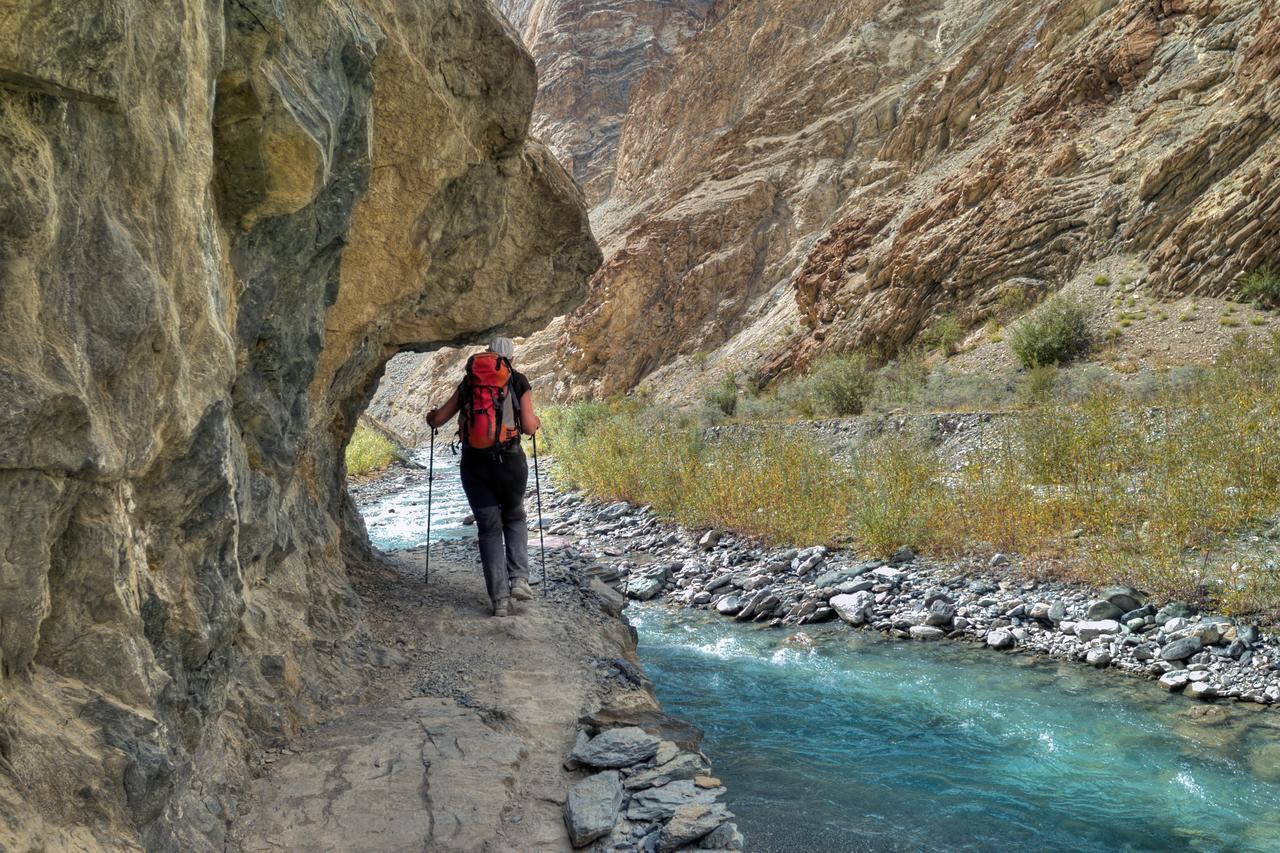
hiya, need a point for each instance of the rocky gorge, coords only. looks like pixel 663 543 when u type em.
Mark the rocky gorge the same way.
pixel 791 179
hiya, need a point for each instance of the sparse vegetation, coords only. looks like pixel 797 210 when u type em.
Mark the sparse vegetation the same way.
pixel 723 396
pixel 369 451
pixel 1055 333
pixel 1262 286
pixel 1102 281
pixel 1157 492
pixel 945 335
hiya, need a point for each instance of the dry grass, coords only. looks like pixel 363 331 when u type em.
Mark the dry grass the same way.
pixel 1162 494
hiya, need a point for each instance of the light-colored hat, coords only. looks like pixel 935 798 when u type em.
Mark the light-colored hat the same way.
pixel 503 347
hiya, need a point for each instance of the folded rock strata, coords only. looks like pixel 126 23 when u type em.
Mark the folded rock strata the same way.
pixel 216 224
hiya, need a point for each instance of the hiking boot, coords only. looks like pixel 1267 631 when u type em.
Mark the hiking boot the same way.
pixel 521 591
pixel 502 607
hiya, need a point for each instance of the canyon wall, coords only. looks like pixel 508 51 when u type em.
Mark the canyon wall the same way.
pixel 217 222
pixel 800 177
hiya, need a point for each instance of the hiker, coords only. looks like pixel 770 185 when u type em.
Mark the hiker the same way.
pixel 496 406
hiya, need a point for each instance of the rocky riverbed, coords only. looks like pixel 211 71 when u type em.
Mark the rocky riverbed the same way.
pixel 1202 655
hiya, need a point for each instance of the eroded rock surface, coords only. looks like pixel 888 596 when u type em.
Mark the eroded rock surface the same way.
pixel 216 224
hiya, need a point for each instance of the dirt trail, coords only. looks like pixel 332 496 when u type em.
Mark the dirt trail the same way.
pixel 461 742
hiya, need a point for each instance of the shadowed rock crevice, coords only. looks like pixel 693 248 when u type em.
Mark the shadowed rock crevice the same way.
pixel 216 225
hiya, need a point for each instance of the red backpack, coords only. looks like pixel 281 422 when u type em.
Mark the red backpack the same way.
pixel 489 406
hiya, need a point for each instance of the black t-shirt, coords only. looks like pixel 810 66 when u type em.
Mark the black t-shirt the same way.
pixel 519 384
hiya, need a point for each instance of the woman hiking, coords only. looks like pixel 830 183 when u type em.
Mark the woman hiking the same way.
pixel 495 404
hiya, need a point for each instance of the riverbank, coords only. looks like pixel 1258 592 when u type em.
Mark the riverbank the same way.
pixel 473 732
pixel 1202 655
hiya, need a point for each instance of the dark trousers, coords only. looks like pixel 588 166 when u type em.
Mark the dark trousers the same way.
pixel 495 484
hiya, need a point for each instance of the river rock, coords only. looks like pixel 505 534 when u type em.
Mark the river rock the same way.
pixel 940 614
pixel 1174 681
pixel 718 581
pixel 729 605
pixel 1174 610
pixel 1087 631
pixel 1125 597
pixel 1181 649
pixel 612 600
pixel 889 575
pixel 1098 657
pixel 1204 690
pixel 591 808
pixel 925 632
pixel 619 747
pixel 1057 612
pixel 1102 609
pixel 691 822
pixel 856 609
pixel 661 802
pixel 709 540
pixel 835 577
pixel 643 588
pixel 724 837
pixel 1000 639
pixel 687 765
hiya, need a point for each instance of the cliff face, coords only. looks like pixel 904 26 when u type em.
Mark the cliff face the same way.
pixel 590 54
pixel 874 165
pixel 216 224
pixel 1058 137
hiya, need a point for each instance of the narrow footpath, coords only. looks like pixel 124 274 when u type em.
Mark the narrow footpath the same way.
pixel 461 742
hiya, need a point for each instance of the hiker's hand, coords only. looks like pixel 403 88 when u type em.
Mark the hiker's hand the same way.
pixel 431 418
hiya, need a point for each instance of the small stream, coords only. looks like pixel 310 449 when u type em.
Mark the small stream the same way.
pixel 861 743
pixel 858 743
pixel 399 520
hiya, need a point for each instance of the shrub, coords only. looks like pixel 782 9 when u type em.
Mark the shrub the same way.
pixel 945 334
pixel 723 396
pixel 840 385
pixel 1039 381
pixel 1102 281
pixel 1262 286
pixel 1054 333
pixel 369 451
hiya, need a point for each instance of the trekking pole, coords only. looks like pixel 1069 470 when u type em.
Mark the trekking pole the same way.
pixel 537 489
pixel 431 477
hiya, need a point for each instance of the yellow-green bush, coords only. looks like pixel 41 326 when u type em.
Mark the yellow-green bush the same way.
pixel 370 451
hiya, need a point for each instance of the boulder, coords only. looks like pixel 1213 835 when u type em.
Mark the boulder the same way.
pixel 690 823
pixel 1103 609
pixel 661 802
pixel 621 747
pixel 686 765
pixel 724 837
pixel 1203 690
pixel 729 605
pixel 1174 681
pixel 1089 630
pixel 1000 639
pixel 1174 610
pixel 856 609
pixel 610 599
pixel 643 588
pixel 591 808
pixel 940 614
pixel 1181 649
pixel 1125 597
pixel 925 632
pixel 1098 657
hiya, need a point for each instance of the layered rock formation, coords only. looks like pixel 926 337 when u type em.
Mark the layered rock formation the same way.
pixel 216 224
pixel 590 54
pixel 800 177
